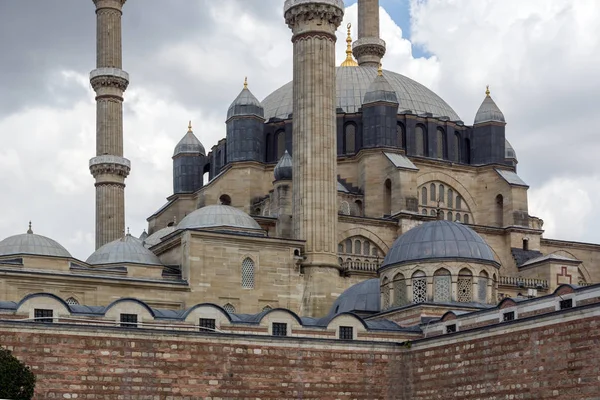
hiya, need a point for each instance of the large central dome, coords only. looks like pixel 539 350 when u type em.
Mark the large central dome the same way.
pixel 352 83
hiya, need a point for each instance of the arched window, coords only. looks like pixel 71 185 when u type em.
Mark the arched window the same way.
pixel 72 301
pixel 267 308
pixel 465 286
pixel 419 287
pixel 350 139
pixel 424 211
pixel 366 248
pixel 340 248
pixel 458 203
pixel 344 208
pixel 399 290
pixel 424 196
pixel 357 247
pixel 269 149
pixel 401 135
pixel 442 285
pixel 494 290
pixel 482 284
pixel 248 273
pixel 442 147
pixel 466 219
pixel 385 294
pixel 387 197
pixel 432 213
pixel 374 252
pixel 499 211
pixel 348 246
pixel 450 198
pixel 225 200
pixel 457 218
pixel 457 147
pixel 526 244
pixel 442 214
pixel 442 192
pixel 432 192
pixel 229 308
pixel 358 206
pixel 467 151
pixel 421 141
pixel 280 143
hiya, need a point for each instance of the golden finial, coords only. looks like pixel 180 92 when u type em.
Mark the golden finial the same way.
pixel 29 230
pixel 246 83
pixel 349 62
pixel 190 126
pixel 380 70
pixel 487 90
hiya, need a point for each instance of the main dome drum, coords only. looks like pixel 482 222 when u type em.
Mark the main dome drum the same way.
pixel 352 83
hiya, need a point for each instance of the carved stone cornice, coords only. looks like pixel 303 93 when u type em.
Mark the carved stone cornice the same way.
pixel 110 165
pixel 109 77
pixel 329 11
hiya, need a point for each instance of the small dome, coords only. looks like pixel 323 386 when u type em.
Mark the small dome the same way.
pixel 218 216
pixel 489 111
pixel 363 297
pixel 189 144
pixel 283 169
pixel 439 240
pixel 32 244
pixel 155 238
pixel 509 151
pixel 380 91
pixel 144 235
pixel 246 104
pixel 127 250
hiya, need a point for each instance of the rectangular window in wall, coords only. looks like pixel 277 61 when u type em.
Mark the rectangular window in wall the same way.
pixel 567 303
pixel 346 332
pixel 207 324
pixel 451 328
pixel 129 320
pixel 45 316
pixel 279 329
pixel 508 316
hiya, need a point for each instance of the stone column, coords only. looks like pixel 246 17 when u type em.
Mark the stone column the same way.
pixel 109 168
pixel 313 25
pixel 369 49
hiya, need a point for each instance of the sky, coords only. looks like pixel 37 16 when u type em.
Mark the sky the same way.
pixel 188 62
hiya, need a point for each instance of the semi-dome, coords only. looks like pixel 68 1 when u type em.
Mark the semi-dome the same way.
pixel 214 216
pixel 352 84
pixel 189 144
pixel 31 244
pixel 127 250
pixel 155 238
pixel 245 104
pixel 380 91
pixel 363 297
pixel 283 169
pixel 439 240
pixel 509 151
pixel 489 111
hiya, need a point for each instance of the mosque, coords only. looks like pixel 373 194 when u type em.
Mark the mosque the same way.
pixel 350 189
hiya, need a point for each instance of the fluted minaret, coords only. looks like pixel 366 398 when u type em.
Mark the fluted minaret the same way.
pixel 369 49
pixel 313 23
pixel 109 168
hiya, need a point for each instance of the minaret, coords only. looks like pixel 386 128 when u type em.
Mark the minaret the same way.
pixel 369 49
pixel 313 24
pixel 109 168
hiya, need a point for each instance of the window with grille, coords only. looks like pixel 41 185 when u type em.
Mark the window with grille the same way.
pixel 508 316
pixel 248 273
pixel 451 328
pixel 279 329
pixel 346 332
pixel 567 303
pixel 442 287
pixel 419 290
pixel 72 301
pixel 207 324
pixel 129 320
pixel 229 308
pixel 45 316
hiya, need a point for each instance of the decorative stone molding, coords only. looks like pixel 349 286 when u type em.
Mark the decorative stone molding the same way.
pixel 109 164
pixel 368 47
pixel 330 11
pixel 112 77
pixel 109 4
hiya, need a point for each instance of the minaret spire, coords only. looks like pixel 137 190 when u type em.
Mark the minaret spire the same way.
pixel 109 168
pixel 369 49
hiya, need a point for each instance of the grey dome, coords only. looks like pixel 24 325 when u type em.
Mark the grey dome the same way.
pixel 218 216
pixel 489 112
pixel 438 240
pixel 127 250
pixel 283 169
pixel 352 84
pixel 155 238
pixel 32 244
pixel 509 151
pixel 189 144
pixel 245 104
pixel 361 297
pixel 380 91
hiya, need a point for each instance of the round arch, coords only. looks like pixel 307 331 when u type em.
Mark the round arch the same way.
pixel 367 234
pixel 450 181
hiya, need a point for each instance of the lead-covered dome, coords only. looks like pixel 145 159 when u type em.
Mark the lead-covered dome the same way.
pixel 156 237
pixel 283 169
pixel 352 84
pixel 363 297
pixel 218 216
pixel 32 244
pixel 489 111
pixel 127 250
pixel 189 144
pixel 245 105
pixel 439 240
